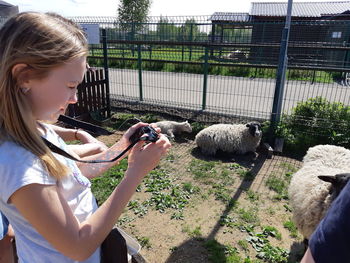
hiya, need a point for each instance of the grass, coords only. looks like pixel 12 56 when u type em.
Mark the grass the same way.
pixel 167 58
pixel 292 228
pixel 279 185
pixel 176 189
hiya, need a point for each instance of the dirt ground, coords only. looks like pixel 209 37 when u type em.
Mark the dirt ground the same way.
pixel 171 240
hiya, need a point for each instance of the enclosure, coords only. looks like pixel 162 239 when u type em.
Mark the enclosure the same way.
pixel 227 207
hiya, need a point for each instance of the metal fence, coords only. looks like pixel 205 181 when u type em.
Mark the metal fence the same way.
pixel 224 67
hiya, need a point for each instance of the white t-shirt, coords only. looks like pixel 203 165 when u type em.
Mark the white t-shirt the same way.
pixel 19 167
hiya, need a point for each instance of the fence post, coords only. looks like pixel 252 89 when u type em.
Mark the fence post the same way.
pixel 281 74
pixel 191 39
pixel 105 65
pixel 139 66
pixel 205 79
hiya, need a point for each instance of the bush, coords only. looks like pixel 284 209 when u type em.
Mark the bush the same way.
pixel 316 121
pixel 153 66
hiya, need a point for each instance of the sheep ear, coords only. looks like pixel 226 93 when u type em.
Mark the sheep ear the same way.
pixel 327 178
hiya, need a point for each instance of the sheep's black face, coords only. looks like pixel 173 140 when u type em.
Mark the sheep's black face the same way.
pixel 254 129
pixel 338 181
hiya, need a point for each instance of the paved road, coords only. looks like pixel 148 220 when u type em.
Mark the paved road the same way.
pixel 234 95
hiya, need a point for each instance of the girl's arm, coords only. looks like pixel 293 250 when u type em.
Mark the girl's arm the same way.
pixel 308 257
pixel 90 144
pixel 61 228
pixel 96 169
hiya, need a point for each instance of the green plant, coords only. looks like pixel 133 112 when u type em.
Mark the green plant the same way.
pixel 252 196
pixel 315 121
pixel 145 242
pixel 219 253
pixel 243 244
pixel 248 215
pixel 104 185
pixel 278 185
pixel 291 227
pixel 197 127
pixel 202 169
pixel 266 251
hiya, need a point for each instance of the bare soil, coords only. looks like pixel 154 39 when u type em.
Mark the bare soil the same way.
pixel 170 240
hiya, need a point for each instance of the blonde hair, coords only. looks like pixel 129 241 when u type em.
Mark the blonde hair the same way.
pixel 42 42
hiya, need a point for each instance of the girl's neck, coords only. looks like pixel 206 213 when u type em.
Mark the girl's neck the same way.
pixel 41 128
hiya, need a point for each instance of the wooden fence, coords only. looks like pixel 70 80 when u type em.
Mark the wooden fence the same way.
pixel 93 96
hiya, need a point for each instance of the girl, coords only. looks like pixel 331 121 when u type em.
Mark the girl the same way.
pixel 46 197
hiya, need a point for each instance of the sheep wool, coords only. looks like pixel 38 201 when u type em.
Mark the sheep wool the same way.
pixel 171 128
pixel 309 196
pixel 231 138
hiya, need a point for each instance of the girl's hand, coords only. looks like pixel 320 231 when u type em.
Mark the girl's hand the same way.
pixel 144 157
pixel 124 142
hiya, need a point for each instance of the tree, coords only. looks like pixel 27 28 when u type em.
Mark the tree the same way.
pixel 132 14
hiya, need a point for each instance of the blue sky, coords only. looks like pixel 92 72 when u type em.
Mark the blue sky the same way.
pixel 158 7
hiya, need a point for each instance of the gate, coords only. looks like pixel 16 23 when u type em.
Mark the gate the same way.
pixel 93 96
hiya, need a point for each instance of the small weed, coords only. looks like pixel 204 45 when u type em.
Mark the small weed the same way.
pixel 104 185
pixel 178 215
pixel 138 209
pixel 145 242
pixel 195 233
pixel 221 192
pixel 273 254
pixel 278 185
pixel 202 169
pixel 292 228
pixel 249 215
pixel 272 231
pixel 289 167
pixel 170 158
pixel 271 211
pixel 188 187
pixel 219 253
pixel 227 221
pixel 246 175
pixel 252 196
pixel 243 244
pixel 266 251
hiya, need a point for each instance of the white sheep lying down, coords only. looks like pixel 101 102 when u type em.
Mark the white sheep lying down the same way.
pixel 311 197
pixel 231 138
pixel 171 128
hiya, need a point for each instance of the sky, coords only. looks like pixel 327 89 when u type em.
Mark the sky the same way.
pixel 158 7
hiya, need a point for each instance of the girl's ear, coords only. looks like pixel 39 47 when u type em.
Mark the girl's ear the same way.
pixel 20 73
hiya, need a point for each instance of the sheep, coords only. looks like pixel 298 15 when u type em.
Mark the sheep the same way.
pixel 311 197
pixel 231 138
pixel 236 55
pixel 171 128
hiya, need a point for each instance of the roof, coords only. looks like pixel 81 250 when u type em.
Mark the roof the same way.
pixel 299 9
pixel 225 16
pixel 3 3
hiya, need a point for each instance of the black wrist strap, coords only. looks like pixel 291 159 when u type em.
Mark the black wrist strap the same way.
pixel 59 151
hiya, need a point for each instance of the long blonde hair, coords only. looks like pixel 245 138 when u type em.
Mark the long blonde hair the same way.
pixel 42 42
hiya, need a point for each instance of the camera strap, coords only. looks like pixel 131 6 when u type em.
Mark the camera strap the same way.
pixel 59 151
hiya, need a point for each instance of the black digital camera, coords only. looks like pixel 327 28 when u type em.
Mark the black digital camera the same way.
pixel 151 134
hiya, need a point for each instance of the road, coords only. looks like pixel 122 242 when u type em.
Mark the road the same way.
pixel 233 95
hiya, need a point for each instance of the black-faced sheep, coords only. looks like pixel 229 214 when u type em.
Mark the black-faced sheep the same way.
pixel 171 128
pixel 230 138
pixel 311 197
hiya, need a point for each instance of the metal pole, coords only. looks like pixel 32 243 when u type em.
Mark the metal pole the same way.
pixel 205 76
pixel 105 65
pixel 139 65
pixel 281 73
